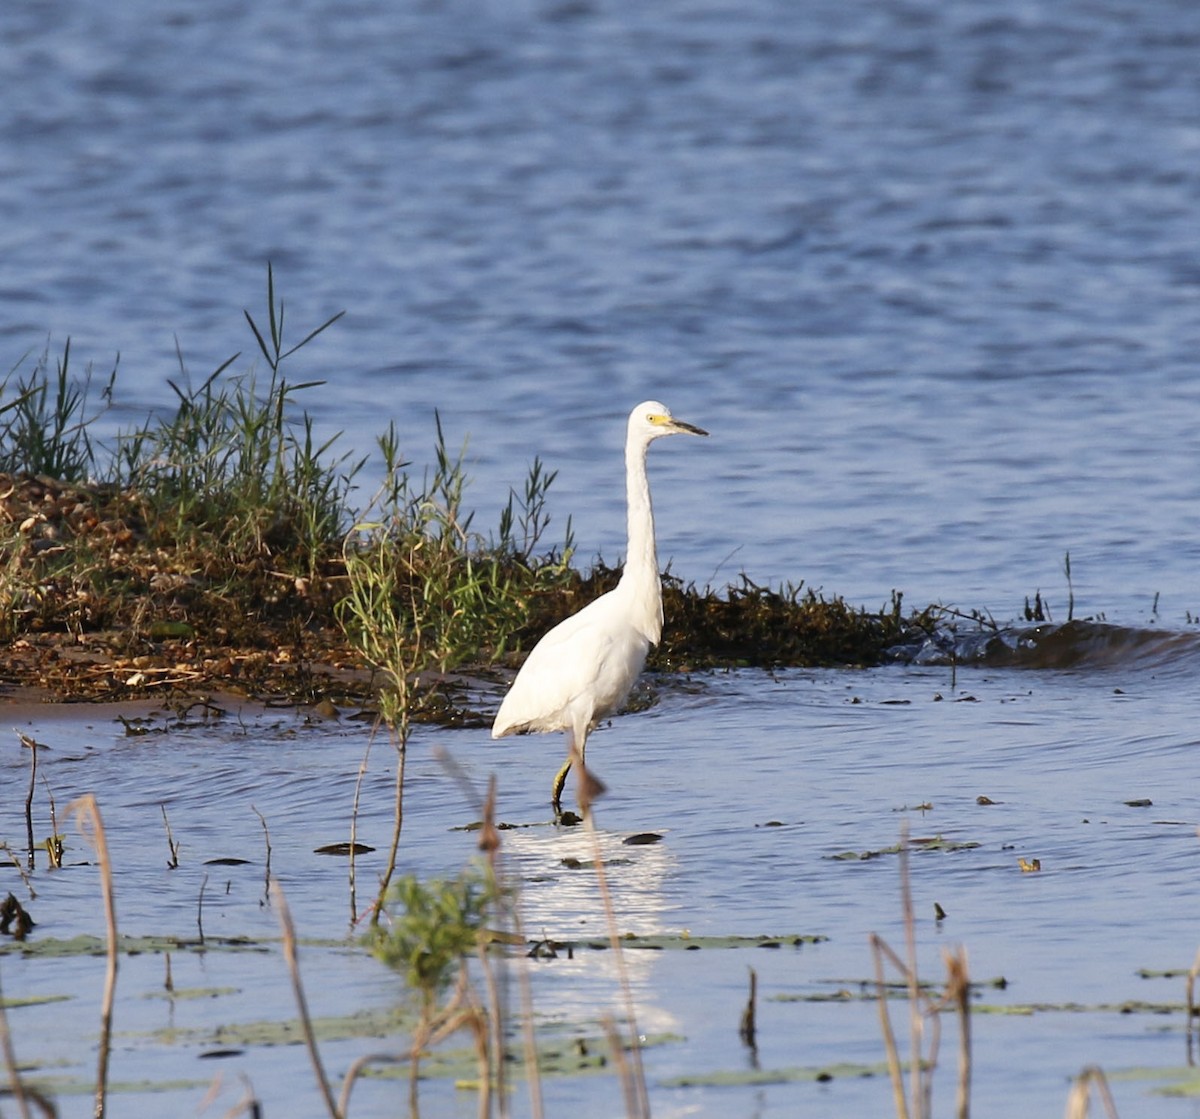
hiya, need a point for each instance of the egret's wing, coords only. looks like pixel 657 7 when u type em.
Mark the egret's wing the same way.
pixel 592 654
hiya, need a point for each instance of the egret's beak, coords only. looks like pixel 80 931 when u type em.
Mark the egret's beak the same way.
pixel 677 427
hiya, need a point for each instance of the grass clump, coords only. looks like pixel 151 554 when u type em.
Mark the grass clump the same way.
pixel 234 463
pixel 424 590
pixel 44 426
pixel 226 516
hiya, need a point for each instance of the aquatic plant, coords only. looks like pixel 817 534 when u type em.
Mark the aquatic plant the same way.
pixel 439 925
pixel 436 925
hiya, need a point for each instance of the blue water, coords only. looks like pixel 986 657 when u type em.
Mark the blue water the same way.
pixel 930 275
pixel 928 272
pixel 758 785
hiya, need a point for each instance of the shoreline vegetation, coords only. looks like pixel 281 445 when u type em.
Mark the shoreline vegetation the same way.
pixel 217 549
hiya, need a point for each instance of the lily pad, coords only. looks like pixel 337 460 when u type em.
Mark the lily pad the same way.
pixel 33 1000
pixel 685 942
pixel 932 843
pixel 183 994
pixel 741 1078
pixel 50 947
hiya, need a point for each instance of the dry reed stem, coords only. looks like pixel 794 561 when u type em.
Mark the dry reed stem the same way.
pixel 1081 1092
pixel 362 772
pixel 748 1027
pixel 1190 1026
pixel 393 849
pixel 958 993
pixel 529 1039
pixel 249 1103
pixel 355 1070
pixel 895 1069
pixel 289 954
pixel 432 1029
pixel 489 844
pixel 916 1021
pixel 10 1063
pixel 87 818
pixel 924 1014
pixel 172 846
pixel 54 845
pixel 625 1077
pixel 589 786
pixel 32 746
pixel 16 862
pixel 475 1018
pixel 267 840
pixel 214 1090
pixel 200 908
pixel 462 1011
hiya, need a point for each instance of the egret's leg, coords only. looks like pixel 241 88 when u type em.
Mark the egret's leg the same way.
pixel 559 781
pixel 561 777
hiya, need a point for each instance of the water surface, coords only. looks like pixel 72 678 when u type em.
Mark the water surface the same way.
pixel 928 273
pixel 761 785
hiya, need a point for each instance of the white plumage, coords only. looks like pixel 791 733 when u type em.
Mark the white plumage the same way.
pixel 582 670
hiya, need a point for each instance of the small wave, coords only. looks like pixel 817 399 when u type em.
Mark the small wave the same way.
pixel 1074 644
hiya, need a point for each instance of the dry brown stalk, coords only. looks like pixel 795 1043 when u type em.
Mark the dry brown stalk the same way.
pixel 87 818
pixel 293 964
pixel 459 1012
pixel 249 1103
pixel 924 1015
pixel 916 1019
pixel 958 994
pixel 895 1068
pixel 1081 1094
pixel 355 1070
pixel 625 1077
pixel 362 772
pixel 16 862
pixel 10 1063
pixel 267 840
pixel 590 787
pixel 1190 1025
pixel 172 845
pixel 32 746
pixel 397 826
pixel 532 1073
pixel 493 1044
pixel 748 1028
pixel 54 845
pixel 200 908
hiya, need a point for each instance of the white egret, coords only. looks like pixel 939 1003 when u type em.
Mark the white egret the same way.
pixel 582 670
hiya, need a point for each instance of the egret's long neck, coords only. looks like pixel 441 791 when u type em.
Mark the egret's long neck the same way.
pixel 640 579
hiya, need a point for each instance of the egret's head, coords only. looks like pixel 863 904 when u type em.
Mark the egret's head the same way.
pixel 651 420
